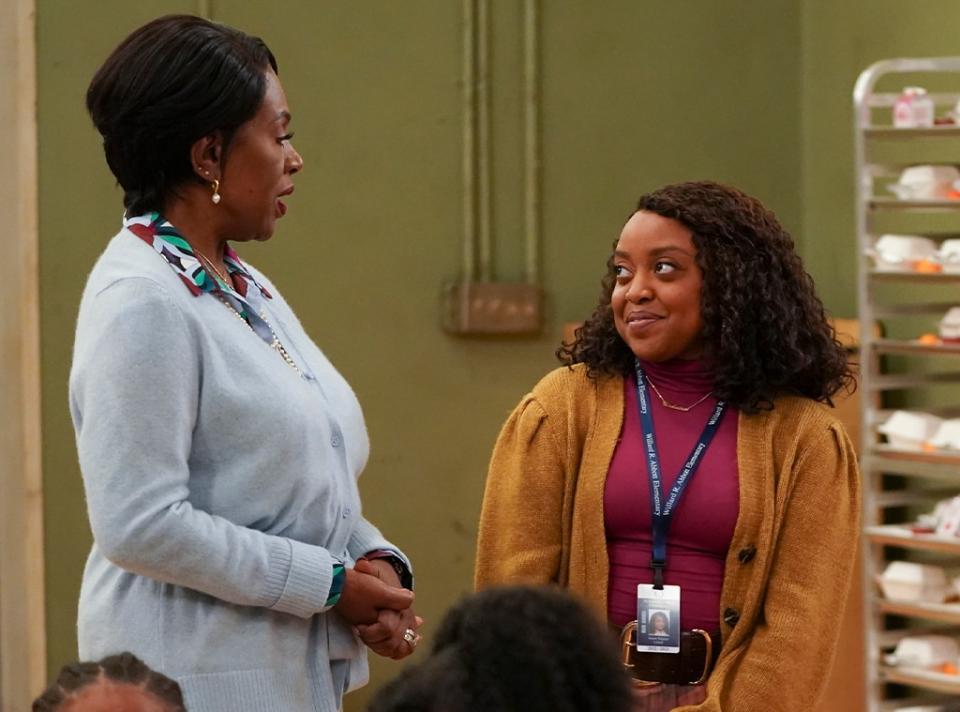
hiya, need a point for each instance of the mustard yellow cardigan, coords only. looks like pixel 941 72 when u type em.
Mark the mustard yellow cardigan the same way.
pixel 787 573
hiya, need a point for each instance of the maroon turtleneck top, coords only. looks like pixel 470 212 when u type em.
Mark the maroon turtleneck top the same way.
pixel 705 518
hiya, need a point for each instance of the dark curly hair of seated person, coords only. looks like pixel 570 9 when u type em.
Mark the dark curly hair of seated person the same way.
pixel 765 331
pixel 514 648
pixel 121 669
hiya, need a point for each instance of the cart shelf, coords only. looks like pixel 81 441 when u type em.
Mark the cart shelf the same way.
pixel 901 536
pixel 888 275
pixel 941 612
pixel 893 132
pixel 885 203
pixel 923 679
pixel 913 347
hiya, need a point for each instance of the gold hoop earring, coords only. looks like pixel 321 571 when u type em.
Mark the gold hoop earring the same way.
pixel 216 192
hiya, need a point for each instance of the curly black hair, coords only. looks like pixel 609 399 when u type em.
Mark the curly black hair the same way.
pixel 123 668
pixel 765 330
pixel 515 649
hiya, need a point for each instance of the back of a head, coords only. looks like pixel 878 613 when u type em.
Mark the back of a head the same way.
pixel 118 682
pixel 439 684
pixel 515 648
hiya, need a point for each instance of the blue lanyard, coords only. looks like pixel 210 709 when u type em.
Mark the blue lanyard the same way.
pixel 662 512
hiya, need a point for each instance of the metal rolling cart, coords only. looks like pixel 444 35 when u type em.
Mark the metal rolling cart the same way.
pixel 899 370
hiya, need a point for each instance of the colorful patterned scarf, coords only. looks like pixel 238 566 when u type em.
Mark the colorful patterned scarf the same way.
pixel 163 237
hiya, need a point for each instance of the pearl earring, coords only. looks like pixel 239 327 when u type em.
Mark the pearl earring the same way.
pixel 216 192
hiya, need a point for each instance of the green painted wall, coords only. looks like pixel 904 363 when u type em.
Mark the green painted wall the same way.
pixel 635 94
pixel 79 209
pixel 841 39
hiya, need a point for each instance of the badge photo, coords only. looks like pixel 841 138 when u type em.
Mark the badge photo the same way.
pixel 658 619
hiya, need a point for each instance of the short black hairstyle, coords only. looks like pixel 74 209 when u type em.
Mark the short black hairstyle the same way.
pixel 168 84
pixel 515 649
pixel 764 327
pixel 124 668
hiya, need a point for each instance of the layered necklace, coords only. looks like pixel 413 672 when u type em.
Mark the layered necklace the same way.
pixel 275 344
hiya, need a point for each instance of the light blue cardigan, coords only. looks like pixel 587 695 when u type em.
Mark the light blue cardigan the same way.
pixel 219 486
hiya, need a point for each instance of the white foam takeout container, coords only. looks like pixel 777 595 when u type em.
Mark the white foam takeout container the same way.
pixel 949 254
pixel 899 253
pixel 950 325
pixel 947 515
pixel 944 521
pixel 924 651
pixel 927 182
pixel 947 436
pixel 907 581
pixel 909 430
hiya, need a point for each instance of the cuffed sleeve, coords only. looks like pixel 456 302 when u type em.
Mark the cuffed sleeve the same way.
pixel 366 538
pixel 308 581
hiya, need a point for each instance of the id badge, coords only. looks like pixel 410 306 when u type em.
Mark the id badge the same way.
pixel 658 619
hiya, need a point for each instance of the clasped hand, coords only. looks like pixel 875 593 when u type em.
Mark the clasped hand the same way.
pixel 379 608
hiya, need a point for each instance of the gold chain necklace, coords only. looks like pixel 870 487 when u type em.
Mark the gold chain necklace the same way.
pixel 674 406
pixel 276 345
pixel 208 263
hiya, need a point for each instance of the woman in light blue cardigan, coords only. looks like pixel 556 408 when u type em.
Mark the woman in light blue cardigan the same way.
pixel 219 447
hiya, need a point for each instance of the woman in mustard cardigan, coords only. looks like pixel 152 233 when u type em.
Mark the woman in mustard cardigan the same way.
pixel 686 461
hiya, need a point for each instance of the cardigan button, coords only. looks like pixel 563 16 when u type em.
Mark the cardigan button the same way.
pixel 746 554
pixel 731 616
